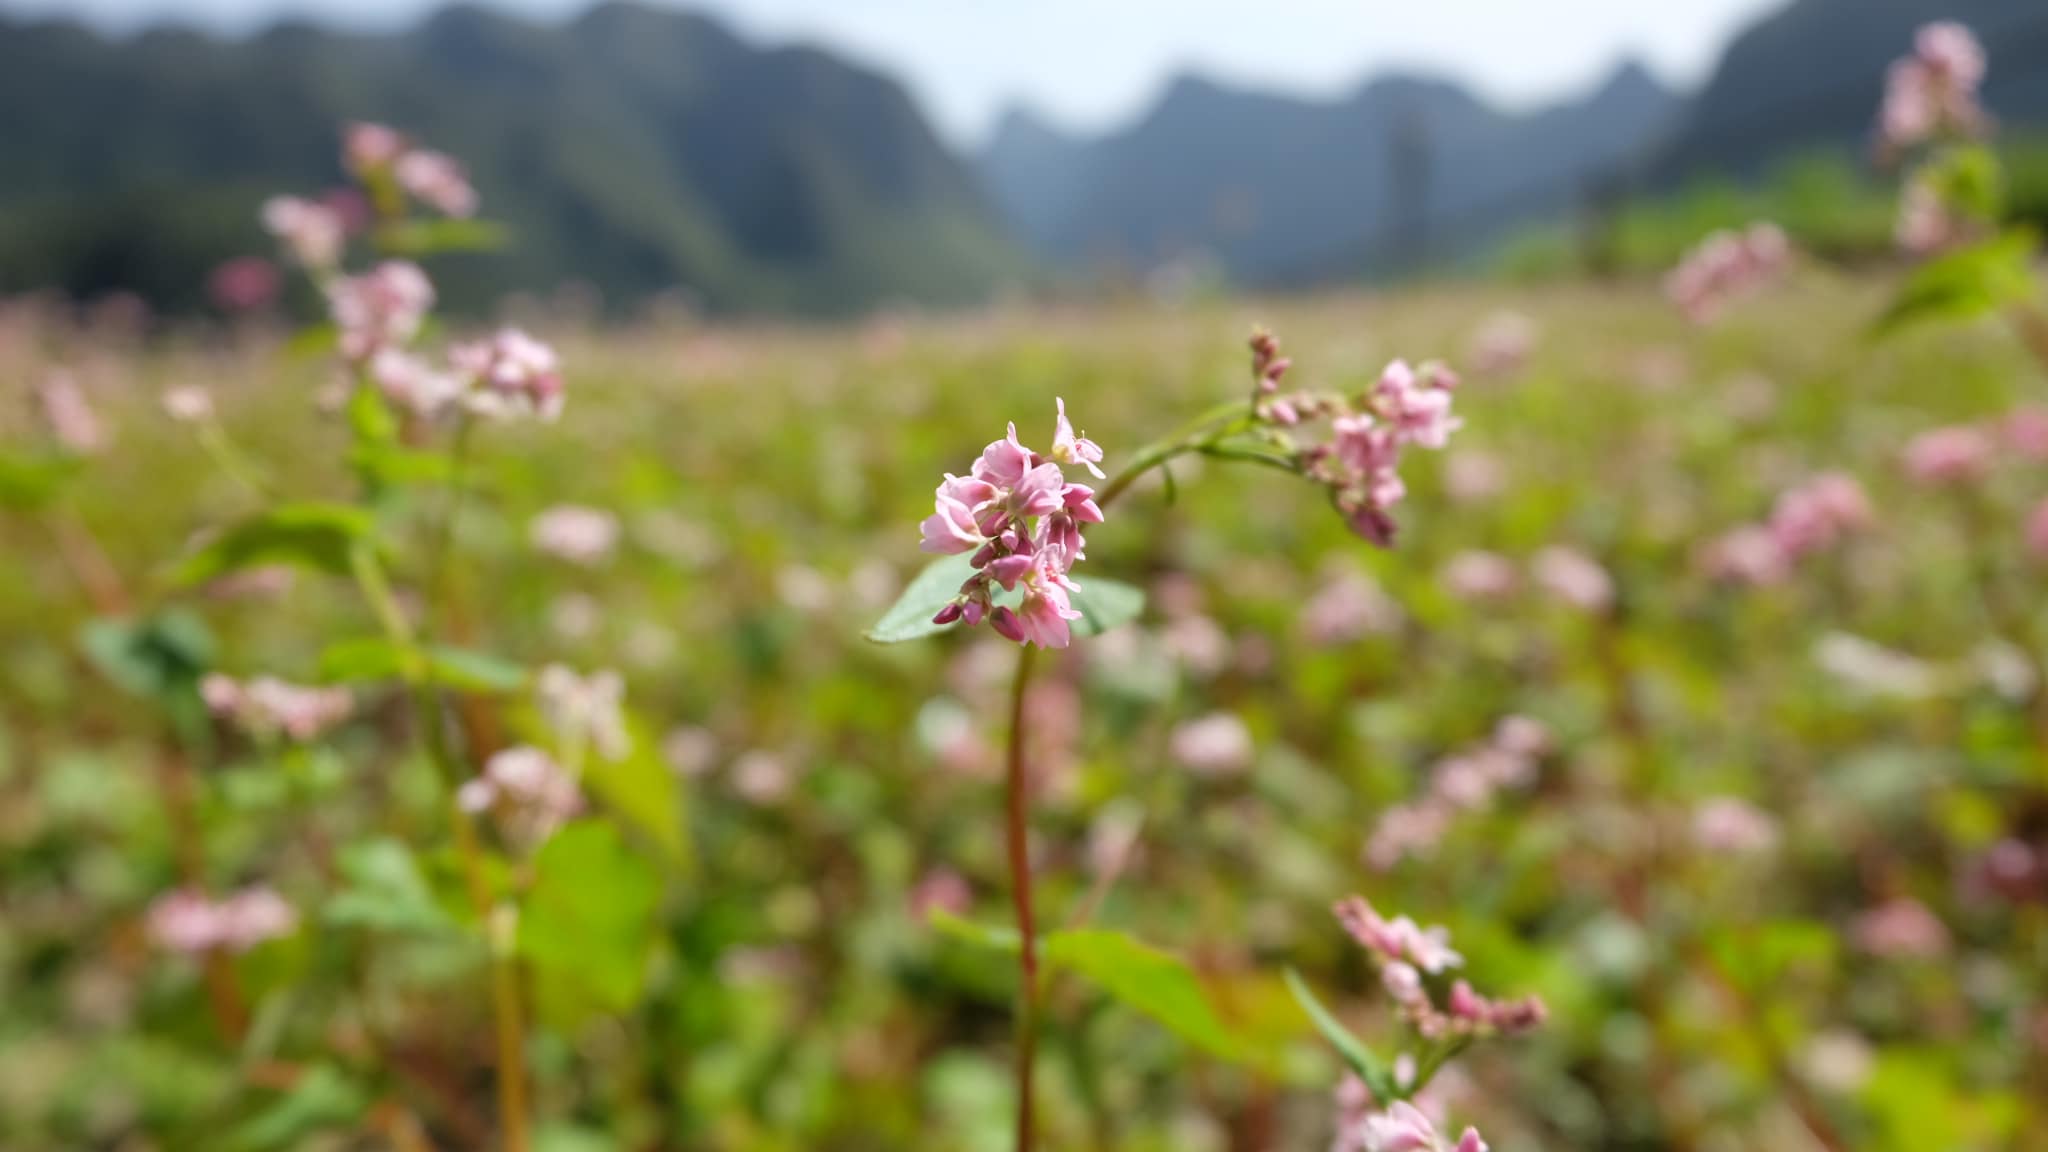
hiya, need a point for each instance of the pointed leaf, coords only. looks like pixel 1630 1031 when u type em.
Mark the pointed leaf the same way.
pixel 1158 984
pixel 1351 1048
pixel 312 536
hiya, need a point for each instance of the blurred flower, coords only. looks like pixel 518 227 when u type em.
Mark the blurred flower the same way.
pixel 312 234
pixel 575 617
pixel 413 384
pixel 367 147
pixel 1406 953
pixel 1959 454
pixel 575 533
pixel 509 375
pixel 1402 1127
pixel 941 890
pixel 585 708
pixel 1838 1061
pixel 1870 668
pixel 1217 744
pixel 1933 91
pixel 689 751
pixel 1727 266
pixel 1901 928
pixel 266 582
pixel 991 513
pixel 1481 576
pixel 1925 226
pixel 2037 532
pixel 1502 344
pixel 1574 577
pixel 188 404
pixel 265 707
pixel 1348 607
pixel 382 308
pixel 1464 782
pixel 186 921
pixel 1747 555
pixel 760 777
pixel 70 416
pixel 2012 870
pixel 1198 643
pixel 438 181
pixel 805 589
pixel 530 793
pixel 246 284
pixel 1816 515
pixel 1471 476
pixel 2026 430
pixel 1730 826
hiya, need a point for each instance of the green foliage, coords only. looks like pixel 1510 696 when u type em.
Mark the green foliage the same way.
pixel 384 891
pixel 1361 1060
pixel 368 659
pixel 316 537
pixel 587 925
pixel 158 657
pixel 1965 284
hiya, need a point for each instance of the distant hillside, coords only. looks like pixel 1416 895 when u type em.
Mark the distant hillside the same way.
pixel 1811 76
pixel 637 148
pixel 1280 188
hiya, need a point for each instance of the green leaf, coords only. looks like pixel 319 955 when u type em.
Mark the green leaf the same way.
pixel 1158 984
pixel 1351 1048
pixel 588 922
pixel 312 536
pixel 29 482
pixel 1965 284
pixel 910 618
pixel 151 657
pixel 968 932
pixel 313 342
pixel 322 1099
pixel 389 464
pixel 384 891
pixel 426 237
pixel 1103 603
pixel 372 658
pixel 371 421
pixel 644 793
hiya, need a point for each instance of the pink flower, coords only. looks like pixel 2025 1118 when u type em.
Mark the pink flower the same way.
pixel 1481 576
pixel 1214 745
pixel 1925 225
pixel 186 921
pixel 2037 533
pixel 1503 343
pixel 577 534
pixel 2026 430
pixel 1748 555
pixel 382 308
pixel 1348 607
pixel 531 794
pixel 312 234
pixel 247 284
pixel 1933 92
pixel 1575 578
pixel 1021 520
pixel 1727 826
pixel 437 180
pixel 1068 448
pixel 1901 928
pixel 266 707
pixel 1727 266
pixel 367 148
pixel 253 915
pixel 70 416
pixel 511 374
pixel 1470 477
pixel 1420 414
pixel 1960 454
pixel 1403 1127
pixel 941 890
pixel 413 384
pixel 584 709
pixel 1819 514
pixel 188 404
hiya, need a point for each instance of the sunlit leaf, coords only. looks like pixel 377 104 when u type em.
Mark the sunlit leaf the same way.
pixel 384 890
pixel 371 658
pixel 427 237
pixel 29 482
pixel 1965 284
pixel 642 791
pixel 1138 976
pixel 588 923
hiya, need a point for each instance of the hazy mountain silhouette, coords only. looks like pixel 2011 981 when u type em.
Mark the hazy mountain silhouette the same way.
pixel 639 148
pixel 1282 187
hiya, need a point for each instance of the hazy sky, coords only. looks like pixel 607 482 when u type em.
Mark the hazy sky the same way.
pixel 1093 63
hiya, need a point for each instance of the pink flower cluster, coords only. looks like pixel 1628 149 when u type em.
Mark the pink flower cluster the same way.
pixel 312 233
pixel 1814 517
pixel 70 416
pixel 1360 463
pixel 1933 92
pixel 433 178
pixel 1960 454
pixel 187 922
pixel 266 707
pixel 510 374
pixel 1466 782
pixel 380 309
pixel 243 285
pixel 1727 266
pixel 1409 957
pixel 1400 1127
pixel 1021 519
pixel 529 792
pixel 572 532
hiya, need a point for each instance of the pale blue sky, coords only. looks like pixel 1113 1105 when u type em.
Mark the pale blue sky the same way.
pixel 1092 63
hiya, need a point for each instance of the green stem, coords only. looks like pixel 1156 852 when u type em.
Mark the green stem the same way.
pixel 1017 827
pixel 1195 436
pixel 215 441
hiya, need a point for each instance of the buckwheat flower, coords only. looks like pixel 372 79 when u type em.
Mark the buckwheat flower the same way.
pixel 1418 407
pixel 760 777
pixel 510 374
pixel 1727 826
pixel 1403 1127
pixel 1348 607
pixel 2026 431
pixel 382 308
pixel 531 795
pixel 312 234
pixel 1727 266
pixel 1521 736
pixel 188 404
pixel 1901 928
pixel 437 180
pixel 252 916
pixel 184 921
pixel 266 707
pixel 689 751
pixel 1933 91
pixel 585 708
pixel 1870 669
pixel 1503 343
pixel 1214 745
pixel 1481 576
pixel 1406 830
pixel 368 148
pixel 1961 454
pixel 575 533
pixel 245 284
pixel 1473 476
pixel 70 416
pixel 1925 225
pixel 2037 533
pixel 413 384
pixel 1575 578
pixel 1748 555
pixel 1838 1061
pixel 1818 514
pixel 1069 448
pixel 941 890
